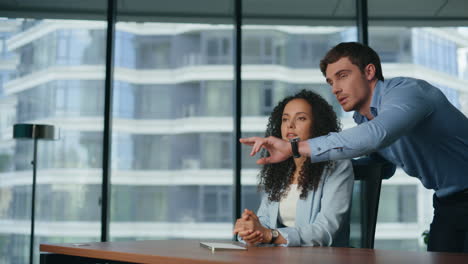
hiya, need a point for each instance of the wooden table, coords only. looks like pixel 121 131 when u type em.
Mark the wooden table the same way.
pixel 189 251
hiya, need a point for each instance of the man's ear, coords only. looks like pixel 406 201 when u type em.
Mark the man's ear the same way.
pixel 369 71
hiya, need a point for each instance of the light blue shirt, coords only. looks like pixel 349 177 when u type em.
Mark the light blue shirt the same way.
pixel 322 219
pixel 415 127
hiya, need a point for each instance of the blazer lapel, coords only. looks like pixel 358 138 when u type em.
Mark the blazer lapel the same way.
pixel 274 212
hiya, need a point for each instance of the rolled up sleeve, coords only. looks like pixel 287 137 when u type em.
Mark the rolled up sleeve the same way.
pixel 400 110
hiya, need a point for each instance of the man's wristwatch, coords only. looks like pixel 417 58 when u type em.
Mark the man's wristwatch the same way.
pixel 274 235
pixel 295 147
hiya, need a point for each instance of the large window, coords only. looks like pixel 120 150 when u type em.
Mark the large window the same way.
pixel 172 143
pixel 280 56
pixel 437 55
pixel 279 61
pixel 52 74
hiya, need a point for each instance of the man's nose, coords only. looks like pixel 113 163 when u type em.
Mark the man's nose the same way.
pixel 336 89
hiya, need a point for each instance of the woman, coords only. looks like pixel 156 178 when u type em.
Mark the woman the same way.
pixel 304 203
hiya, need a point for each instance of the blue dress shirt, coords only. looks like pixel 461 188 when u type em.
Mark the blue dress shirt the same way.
pixel 415 127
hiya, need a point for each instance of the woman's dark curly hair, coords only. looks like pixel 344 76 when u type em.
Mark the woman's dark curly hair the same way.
pixel 275 178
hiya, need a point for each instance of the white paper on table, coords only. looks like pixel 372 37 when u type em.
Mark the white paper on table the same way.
pixel 221 246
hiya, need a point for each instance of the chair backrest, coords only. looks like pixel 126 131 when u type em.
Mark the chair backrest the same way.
pixel 368 181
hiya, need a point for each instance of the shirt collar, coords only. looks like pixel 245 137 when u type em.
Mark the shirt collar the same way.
pixel 376 96
pixel 375 102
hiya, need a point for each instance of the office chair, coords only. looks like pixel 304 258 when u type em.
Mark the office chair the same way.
pixel 368 175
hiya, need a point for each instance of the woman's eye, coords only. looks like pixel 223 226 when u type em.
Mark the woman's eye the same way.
pixel 285 119
pixel 302 118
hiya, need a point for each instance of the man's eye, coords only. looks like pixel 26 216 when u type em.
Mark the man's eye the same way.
pixel 343 75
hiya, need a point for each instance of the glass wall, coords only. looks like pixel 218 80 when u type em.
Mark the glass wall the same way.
pixel 172 131
pixel 280 57
pixel 279 61
pixel 439 56
pixel 52 73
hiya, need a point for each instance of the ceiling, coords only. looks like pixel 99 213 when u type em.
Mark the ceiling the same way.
pixel 308 12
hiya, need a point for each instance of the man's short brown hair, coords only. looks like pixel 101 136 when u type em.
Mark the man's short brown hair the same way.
pixel 359 55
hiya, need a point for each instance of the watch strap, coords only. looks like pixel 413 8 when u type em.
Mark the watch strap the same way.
pixel 295 147
pixel 274 235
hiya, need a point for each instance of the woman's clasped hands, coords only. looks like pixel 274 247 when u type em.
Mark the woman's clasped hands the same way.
pixel 249 228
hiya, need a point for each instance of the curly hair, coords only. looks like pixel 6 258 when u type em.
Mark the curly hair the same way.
pixel 275 179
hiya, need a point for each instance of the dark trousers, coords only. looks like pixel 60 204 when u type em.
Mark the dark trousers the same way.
pixel 449 228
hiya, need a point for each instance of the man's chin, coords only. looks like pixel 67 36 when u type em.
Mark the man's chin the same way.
pixel 347 109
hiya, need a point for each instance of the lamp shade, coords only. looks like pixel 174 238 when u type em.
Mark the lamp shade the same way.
pixel 35 131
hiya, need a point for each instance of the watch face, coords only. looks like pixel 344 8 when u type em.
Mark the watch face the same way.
pixel 296 139
pixel 275 233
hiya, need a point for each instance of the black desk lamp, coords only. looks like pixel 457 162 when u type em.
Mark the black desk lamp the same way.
pixel 35 132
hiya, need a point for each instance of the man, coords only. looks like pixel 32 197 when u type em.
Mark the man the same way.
pixel 408 122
